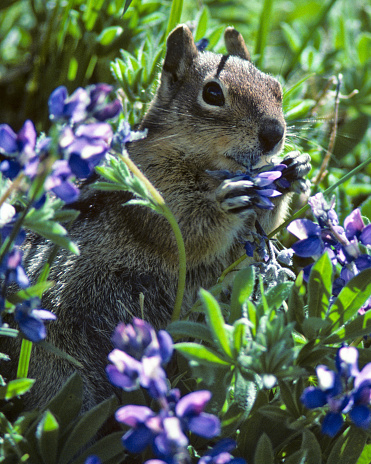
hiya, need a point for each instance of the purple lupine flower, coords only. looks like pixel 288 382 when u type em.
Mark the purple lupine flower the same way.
pixel 310 242
pixel 71 108
pixel 324 212
pixel 59 182
pixel 12 270
pixel 145 426
pixel 82 104
pixel 20 148
pixel 171 441
pixel 139 339
pixel 220 454
pixel 355 228
pixel 125 371
pixel 334 389
pixel 138 358
pixel 30 320
pixel 190 410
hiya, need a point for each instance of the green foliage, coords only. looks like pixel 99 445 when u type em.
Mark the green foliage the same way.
pixel 255 353
pixel 58 434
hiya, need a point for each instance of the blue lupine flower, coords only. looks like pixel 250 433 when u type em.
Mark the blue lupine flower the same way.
pixel 190 410
pixel 355 228
pixel 12 270
pixel 334 389
pixel 30 320
pixel 139 339
pixel 310 242
pixel 83 103
pixel 19 148
pixel 171 441
pixel 59 182
pixel 138 358
pixel 145 426
pixel 220 454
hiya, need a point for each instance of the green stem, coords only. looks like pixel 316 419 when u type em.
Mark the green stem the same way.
pixel 264 25
pixel 299 214
pixel 24 359
pixel 166 212
pixel 314 28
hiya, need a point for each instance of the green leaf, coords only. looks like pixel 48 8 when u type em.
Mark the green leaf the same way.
pixel 109 449
pixel 200 354
pixel 202 19
pixel 350 299
pixel 365 457
pixel 66 404
pixel 30 292
pixel 109 34
pixel 190 329
pixel 240 328
pixel 295 309
pixel 175 14
pixel 58 352
pixel 320 287
pixel 276 296
pixel 47 434
pixel 215 321
pixel 15 388
pixel 243 286
pixel 358 327
pixel 348 447
pixel 86 429
pixel 126 6
pixel 312 447
pixel 264 451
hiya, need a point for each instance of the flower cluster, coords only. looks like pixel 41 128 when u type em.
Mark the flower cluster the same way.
pixel 347 246
pixel 137 360
pixel 345 391
pixel 80 139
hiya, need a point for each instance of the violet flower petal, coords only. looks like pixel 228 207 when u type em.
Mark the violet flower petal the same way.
pixel 303 228
pixel 8 139
pixel 193 403
pixel 205 425
pixel 313 397
pixel 332 423
pixel 308 247
pixel 361 416
pixel 56 102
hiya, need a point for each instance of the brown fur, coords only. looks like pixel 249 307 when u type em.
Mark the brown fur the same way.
pixel 126 251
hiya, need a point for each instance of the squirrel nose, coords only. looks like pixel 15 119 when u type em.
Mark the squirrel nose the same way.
pixel 270 133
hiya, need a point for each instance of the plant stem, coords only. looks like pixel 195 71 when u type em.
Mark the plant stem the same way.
pixel 24 359
pixel 166 212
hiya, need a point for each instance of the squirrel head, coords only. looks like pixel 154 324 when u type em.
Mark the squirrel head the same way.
pixel 219 109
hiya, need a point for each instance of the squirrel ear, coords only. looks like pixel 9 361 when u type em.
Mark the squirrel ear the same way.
pixel 181 51
pixel 235 44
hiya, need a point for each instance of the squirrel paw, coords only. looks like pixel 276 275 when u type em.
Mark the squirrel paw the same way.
pixel 232 194
pixel 298 166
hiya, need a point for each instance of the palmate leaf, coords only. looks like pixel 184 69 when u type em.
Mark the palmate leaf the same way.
pixel 350 300
pixel 358 327
pixel 190 329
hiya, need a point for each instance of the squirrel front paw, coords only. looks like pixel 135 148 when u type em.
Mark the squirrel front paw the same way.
pixel 292 180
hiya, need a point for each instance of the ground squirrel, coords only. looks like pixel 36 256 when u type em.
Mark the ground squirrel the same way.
pixel 211 112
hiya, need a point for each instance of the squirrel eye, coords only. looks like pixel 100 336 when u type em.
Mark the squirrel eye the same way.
pixel 213 94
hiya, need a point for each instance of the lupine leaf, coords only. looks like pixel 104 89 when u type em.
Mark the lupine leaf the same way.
pixel 264 451
pixel 215 321
pixel 15 388
pixel 200 354
pixel 47 434
pixel 351 298
pixel 320 287
pixel 243 286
